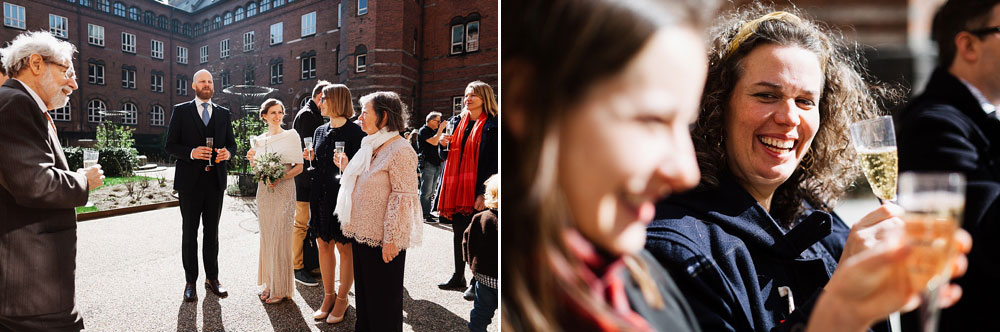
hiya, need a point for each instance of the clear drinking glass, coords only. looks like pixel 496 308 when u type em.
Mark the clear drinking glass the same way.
pixel 309 146
pixel 449 130
pixel 875 142
pixel 90 160
pixel 209 142
pixel 934 203
pixel 338 149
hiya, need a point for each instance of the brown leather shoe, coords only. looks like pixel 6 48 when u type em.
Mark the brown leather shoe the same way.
pixel 190 293
pixel 216 288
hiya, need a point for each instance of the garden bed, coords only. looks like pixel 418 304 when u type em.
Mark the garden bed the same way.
pixel 122 195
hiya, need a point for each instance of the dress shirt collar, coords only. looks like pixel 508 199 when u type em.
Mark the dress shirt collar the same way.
pixel 198 102
pixel 41 104
pixel 988 107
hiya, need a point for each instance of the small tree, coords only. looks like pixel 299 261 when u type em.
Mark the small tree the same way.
pixel 111 135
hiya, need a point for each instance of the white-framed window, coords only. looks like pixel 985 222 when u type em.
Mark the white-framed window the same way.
pixel 128 42
pixel 249 77
pixel 95 73
pixel 13 16
pixel 131 113
pixel 224 79
pixel 277 32
pixel 472 36
pixel 340 13
pixel 94 109
pixel 309 67
pixel 309 24
pixel 58 26
pixel 156 83
pixel 361 62
pixel 224 49
pixel 456 104
pixel 95 34
pixel 277 73
pixel 182 54
pixel 457 38
pixel 248 41
pixel 304 101
pixel 239 14
pixel 203 54
pixel 182 87
pixel 362 7
pixel 156 116
pixel 156 49
pixel 62 113
pixel 128 78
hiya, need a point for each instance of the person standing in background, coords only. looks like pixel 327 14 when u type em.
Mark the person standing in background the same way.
pixel 430 161
pixel 306 121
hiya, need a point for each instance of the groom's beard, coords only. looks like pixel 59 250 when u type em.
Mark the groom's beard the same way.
pixel 205 93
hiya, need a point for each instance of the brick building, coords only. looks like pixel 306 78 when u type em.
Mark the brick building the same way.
pixel 138 56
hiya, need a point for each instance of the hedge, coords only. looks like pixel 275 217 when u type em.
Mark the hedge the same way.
pixel 114 161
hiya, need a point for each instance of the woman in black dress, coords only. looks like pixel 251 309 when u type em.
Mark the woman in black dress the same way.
pixel 336 105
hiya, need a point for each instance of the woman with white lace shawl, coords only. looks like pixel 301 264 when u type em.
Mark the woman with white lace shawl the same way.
pixel 276 204
pixel 379 207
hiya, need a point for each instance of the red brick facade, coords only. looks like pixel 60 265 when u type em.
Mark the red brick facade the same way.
pixel 406 44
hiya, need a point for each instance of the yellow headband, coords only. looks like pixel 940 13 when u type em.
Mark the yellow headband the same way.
pixel 750 27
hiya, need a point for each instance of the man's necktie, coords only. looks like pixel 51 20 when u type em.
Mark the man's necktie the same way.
pixel 204 113
pixel 53 124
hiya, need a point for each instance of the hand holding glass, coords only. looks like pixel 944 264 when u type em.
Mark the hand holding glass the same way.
pixel 875 142
pixel 210 143
pixel 309 146
pixel 338 150
pixel 448 131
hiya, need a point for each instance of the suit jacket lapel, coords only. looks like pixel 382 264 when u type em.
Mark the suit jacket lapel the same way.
pixel 59 158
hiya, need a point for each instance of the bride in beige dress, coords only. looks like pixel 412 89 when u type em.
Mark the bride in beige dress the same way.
pixel 276 205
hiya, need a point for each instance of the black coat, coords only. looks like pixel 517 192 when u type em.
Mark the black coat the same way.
pixel 186 132
pixel 305 123
pixel 730 257
pixel 489 156
pixel 945 129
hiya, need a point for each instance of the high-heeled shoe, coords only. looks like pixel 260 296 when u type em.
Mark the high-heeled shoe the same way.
pixel 332 319
pixel 265 294
pixel 320 314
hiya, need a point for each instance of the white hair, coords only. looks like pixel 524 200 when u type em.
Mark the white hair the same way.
pixel 15 56
pixel 432 115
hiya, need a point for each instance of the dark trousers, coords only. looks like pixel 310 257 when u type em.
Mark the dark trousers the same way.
pixel 378 289
pixel 459 223
pixel 68 320
pixel 196 206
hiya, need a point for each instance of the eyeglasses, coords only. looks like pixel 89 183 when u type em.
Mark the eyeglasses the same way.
pixel 66 71
pixel 984 31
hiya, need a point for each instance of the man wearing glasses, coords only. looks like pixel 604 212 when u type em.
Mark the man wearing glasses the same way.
pixel 953 126
pixel 38 191
pixel 430 161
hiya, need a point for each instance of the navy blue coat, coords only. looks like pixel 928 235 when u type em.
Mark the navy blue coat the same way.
pixel 730 257
pixel 945 129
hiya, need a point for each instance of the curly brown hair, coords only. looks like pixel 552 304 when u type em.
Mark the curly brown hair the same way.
pixel 849 94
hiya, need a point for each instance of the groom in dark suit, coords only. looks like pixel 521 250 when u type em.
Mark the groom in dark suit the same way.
pixel 199 183
pixel 38 191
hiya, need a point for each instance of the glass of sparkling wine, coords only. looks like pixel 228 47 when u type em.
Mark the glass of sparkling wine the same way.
pixel 90 160
pixel 338 149
pixel 309 146
pixel 875 142
pixel 934 203
pixel 209 142
pixel 449 130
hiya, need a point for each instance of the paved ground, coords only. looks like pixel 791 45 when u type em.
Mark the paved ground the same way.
pixel 129 277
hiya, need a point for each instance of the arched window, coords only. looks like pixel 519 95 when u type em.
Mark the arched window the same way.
pixel 360 59
pixel 216 23
pixel 130 113
pixel 94 109
pixel 304 101
pixel 104 6
pixel 251 9
pixel 227 18
pixel 205 26
pixel 119 9
pixel 148 18
pixel 265 5
pixel 239 14
pixel 161 23
pixel 156 116
pixel 133 13
pixel 62 113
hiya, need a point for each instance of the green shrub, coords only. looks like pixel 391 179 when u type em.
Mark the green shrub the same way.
pixel 110 135
pixel 249 125
pixel 114 161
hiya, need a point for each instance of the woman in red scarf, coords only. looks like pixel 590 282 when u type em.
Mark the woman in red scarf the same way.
pixel 471 160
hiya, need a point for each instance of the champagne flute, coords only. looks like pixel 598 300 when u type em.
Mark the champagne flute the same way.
pixel 210 143
pixel 90 160
pixel 934 203
pixel 338 149
pixel 875 142
pixel 449 130
pixel 309 146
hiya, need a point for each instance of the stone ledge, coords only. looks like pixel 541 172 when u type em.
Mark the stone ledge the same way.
pixel 125 210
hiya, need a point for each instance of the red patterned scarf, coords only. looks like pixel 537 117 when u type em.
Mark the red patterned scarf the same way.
pixel 458 185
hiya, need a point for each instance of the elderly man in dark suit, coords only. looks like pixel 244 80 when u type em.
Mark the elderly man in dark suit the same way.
pixel 200 178
pixel 38 191
pixel 953 126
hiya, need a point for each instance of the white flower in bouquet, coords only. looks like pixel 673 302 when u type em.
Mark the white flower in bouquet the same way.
pixel 268 168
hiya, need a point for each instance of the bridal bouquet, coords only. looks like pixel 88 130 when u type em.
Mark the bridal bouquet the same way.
pixel 268 169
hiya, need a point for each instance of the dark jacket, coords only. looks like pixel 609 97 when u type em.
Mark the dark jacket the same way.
pixel 488 151
pixel 730 257
pixel 305 123
pixel 481 244
pixel 186 132
pixel 946 129
pixel 38 193
pixel 676 315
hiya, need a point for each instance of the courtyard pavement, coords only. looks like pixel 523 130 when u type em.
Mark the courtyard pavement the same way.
pixel 129 277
